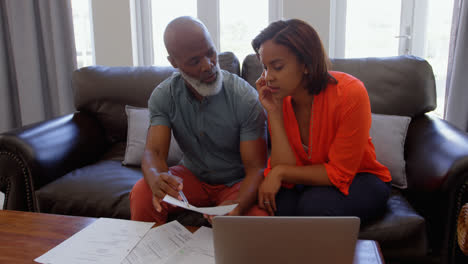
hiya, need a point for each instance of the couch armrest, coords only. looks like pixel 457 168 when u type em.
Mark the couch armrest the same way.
pixel 437 172
pixel 37 154
pixel 436 152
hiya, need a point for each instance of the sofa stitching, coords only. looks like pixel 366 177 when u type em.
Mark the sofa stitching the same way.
pixel 458 207
pixel 5 181
pixel 25 178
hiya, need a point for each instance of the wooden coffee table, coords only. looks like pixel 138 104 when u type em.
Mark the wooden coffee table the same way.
pixel 25 236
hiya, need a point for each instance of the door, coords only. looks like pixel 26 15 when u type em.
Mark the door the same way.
pixel 370 28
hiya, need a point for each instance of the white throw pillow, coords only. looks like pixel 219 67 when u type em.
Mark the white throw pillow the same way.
pixel 138 124
pixel 388 134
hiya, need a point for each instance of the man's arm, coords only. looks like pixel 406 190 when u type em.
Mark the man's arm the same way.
pixel 254 156
pixel 154 165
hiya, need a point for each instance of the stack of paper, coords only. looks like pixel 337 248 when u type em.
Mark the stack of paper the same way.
pixel 131 242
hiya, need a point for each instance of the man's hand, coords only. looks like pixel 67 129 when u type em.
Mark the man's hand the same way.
pixel 235 211
pixel 165 183
pixel 268 190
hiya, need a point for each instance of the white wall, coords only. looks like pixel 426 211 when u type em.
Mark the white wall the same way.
pixel 113 37
pixel 112 32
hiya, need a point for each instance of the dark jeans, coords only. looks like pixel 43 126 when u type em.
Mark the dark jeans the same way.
pixel 367 199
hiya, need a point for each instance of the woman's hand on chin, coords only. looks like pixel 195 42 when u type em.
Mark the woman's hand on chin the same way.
pixel 266 95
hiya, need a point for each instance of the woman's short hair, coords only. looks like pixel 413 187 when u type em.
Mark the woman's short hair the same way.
pixel 302 40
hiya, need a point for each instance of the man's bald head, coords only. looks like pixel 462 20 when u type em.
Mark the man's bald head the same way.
pixel 182 32
pixel 191 50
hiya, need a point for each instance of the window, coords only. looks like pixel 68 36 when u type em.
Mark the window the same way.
pixel 372 34
pixel 231 24
pixel 82 23
pixel 391 28
pixel 239 24
pixel 163 12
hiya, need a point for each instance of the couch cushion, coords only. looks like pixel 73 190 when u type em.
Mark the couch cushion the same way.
pixel 401 85
pixel 138 122
pixel 401 232
pixel 251 69
pixel 388 133
pixel 98 190
pixel 229 62
pixel 104 91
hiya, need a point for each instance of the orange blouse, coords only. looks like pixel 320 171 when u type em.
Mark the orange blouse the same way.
pixel 341 119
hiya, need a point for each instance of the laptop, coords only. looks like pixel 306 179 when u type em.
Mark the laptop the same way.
pixel 272 239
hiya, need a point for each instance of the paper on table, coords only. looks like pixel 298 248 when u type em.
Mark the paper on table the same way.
pixel 186 256
pixel 159 244
pixel 199 250
pixel 218 210
pixel 104 241
pixel 202 241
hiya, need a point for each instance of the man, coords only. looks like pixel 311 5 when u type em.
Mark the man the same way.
pixel 219 124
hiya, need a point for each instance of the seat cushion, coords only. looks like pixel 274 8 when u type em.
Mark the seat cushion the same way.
pixel 98 190
pixel 401 232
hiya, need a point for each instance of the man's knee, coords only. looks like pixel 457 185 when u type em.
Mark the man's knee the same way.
pixel 141 205
pixel 140 191
pixel 256 211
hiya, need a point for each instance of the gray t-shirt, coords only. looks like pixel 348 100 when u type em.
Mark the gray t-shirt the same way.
pixel 209 131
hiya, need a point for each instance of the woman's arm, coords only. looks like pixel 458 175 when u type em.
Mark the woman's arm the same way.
pixel 281 151
pixel 306 175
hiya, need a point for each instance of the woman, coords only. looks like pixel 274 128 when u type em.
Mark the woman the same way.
pixel 322 159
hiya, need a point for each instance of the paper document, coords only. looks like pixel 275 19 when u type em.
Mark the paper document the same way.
pixel 199 250
pixel 104 241
pixel 159 244
pixel 218 210
pixel 202 241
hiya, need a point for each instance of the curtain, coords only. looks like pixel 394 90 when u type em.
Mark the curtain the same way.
pixel 37 58
pixel 456 107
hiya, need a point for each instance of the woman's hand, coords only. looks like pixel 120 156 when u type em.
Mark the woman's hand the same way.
pixel 266 96
pixel 268 190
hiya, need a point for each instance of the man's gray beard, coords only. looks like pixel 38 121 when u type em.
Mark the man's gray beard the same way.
pixel 205 89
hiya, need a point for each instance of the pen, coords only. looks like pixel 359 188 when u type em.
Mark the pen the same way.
pixel 184 199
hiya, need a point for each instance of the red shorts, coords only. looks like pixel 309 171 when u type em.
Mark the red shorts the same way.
pixel 198 193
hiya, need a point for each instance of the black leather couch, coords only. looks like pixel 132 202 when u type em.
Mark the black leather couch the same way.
pixel 72 164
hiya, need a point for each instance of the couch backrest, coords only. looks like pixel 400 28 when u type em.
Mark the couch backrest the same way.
pixel 104 91
pixel 402 85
